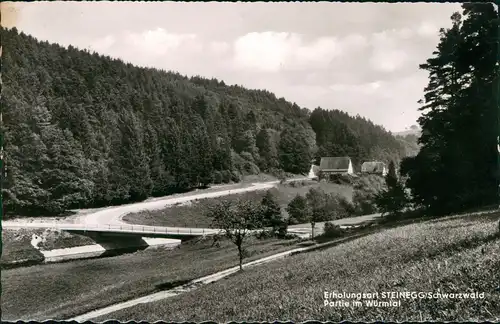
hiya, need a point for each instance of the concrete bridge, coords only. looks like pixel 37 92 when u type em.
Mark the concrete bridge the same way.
pixel 119 232
pixel 107 232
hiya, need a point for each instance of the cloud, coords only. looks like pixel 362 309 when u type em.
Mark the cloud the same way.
pixel 369 88
pixel 392 48
pixel 388 60
pixel 274 51
pixel 219 48
pixel 159 42
pixel 265 51
pixel 103 44
pixel 427 29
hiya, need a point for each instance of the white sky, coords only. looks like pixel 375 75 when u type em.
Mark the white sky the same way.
pixel 359 57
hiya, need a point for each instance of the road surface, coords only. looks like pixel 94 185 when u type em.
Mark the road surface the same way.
pixel 110 219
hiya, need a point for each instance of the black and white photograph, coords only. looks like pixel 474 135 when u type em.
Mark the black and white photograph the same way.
pixel 250 161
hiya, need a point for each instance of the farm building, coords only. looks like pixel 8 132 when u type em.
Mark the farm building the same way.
pixel 374 167
pixel 335 165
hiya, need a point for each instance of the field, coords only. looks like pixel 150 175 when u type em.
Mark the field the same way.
pixel 451 255
pixel 193 214
pixel 16 244
pixel 59 291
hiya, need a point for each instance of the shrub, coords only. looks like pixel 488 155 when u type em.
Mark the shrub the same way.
pixel 217 177
pixel 247 156
pixel 332 230
pixel 271 211
pixel 366 189
pixel 364 203
pixel 276 172
pixel 265 234
pixel 235 176
pixel 298 210
pixel 250 168
pixel 282 232
pixel 226 176
pixel 341 179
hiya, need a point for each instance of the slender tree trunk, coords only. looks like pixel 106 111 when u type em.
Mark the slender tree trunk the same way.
pixel 312 230
pixel 240 253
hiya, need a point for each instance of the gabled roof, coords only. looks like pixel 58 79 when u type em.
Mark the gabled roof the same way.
pixel 373 166
pixel 335 163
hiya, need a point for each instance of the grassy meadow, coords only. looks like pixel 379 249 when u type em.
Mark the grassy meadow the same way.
pixel 64 290
pixel 449 255
pixel 193 213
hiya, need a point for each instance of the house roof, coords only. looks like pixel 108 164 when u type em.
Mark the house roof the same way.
pixel 373 166
pixel 335 163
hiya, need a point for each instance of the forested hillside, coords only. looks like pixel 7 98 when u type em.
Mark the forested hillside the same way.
pixel 81 130
pixel 338 134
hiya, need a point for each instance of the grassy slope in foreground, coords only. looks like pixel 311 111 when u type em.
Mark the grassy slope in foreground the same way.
pixel 59 291
pixel 445 254
pixel 193 215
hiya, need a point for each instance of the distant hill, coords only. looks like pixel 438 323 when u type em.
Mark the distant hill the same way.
pixel 413 130
pixel 82 129
pixel 409 139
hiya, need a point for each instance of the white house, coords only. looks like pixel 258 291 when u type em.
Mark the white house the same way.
pixel 335 165
pixel 374 167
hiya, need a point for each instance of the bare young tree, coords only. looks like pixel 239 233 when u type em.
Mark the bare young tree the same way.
pixel 236 220
pixel 317 201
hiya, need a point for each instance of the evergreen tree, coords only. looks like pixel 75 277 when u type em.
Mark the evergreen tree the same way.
pixel 298 210
pixel 271 212
pixel 267 150
pixel 393 200
pixel 294 151
pixel 455 168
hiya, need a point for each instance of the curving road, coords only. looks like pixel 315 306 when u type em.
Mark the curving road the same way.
pixel 110 218
pixel 114 215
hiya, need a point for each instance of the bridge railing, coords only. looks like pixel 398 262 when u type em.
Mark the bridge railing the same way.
pixel 138 229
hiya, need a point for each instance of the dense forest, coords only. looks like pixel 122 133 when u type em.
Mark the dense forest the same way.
pixel 81 129
pixel 457 166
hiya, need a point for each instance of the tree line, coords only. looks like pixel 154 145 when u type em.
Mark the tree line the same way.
pixel 240 219
pixel 85 130
pixel 456 168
